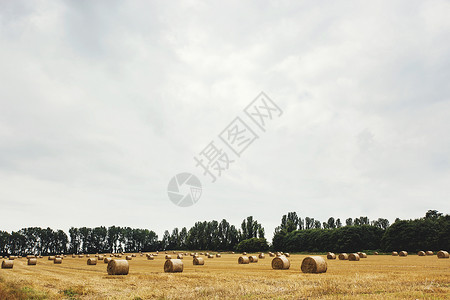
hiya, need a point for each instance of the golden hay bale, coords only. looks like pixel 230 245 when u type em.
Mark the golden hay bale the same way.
pixel 331 255
pixel 198 261
pixel 51 258
pixel 106 260
pixel 262 256
pixel 180 256
pixel 128 257
pixel 168 257
pixel 73 256
pixel 271 254
pixel 243 260
pixel 375 253
pixel 421 253
pixel 174 252
pixel 314 264
pixel 443 254
pixel 100 257
pixel 244 253
pixel 253 258
pixel 133 255
pixel 80 256
pixel 362 255
pixel 429 253
pixel 173 266
pixel 210 256
pixel 150 257
pixel 218 255
pixel 57 260
pixel 88 255
pixel 92 261
pixel 287 255
pixel 111 255
pixel 403 253
pixel 118 267
pixel 281 263
pixel 8 264
pixel 394 253
pixel 232 252
pixel 32 261
pixel 30 256
pixel 353 257
pixel 191 254
pixel 343 256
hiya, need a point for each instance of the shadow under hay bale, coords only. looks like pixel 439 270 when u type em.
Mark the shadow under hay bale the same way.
pixel 314 264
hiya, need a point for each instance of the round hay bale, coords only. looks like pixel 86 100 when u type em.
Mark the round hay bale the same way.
pixel 343 256
pixel 314 264
pixel 8 264
pixel 100 257
pixel 331 255
pixel 150 257
pixel 92 261
pixel 253 258
pixel 362 255
pixel 128 257
pixel 394 253
pixel 80 256
pixel 353 257
pixel 403 253
pixel 210 256
pixel 73 256
pixel 29 256
pixel 421 253
pixel 429 252
pixel 180 256
pixel 243 260
pixel 443 254
pixel 281 263
pixel 198 261
pixel 133 255
pixel 32 261
pixel 173 266
pixel 262 256
pixel 168 257
pixel 57 260
pixel 118 267
pixel 51 258
pixel 244 253
pixel 375 253
pixel 106 260
pixel 88 255
pixel 218 255
pixel 287 255
pixel 271 254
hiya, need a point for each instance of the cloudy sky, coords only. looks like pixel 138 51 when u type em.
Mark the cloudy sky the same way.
pixel 103 102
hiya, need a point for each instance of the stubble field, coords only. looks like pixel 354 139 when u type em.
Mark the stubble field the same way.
pixel 376 277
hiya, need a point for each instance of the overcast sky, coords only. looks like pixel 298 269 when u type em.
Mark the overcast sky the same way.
pixel 103 102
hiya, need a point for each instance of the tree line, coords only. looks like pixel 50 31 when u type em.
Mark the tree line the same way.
pixel 294 234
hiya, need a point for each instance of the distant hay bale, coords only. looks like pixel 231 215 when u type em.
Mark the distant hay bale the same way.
pixel 287 255
pixel 244 253
pixel 174 252
pixel 73 256
pixel 128 257
pixel 331 255
pixel 118 267
pixel 429 252
pixel 150 257
pixel 261 255
pixel 421 253
pixel 168 257
pixel 375 253
pixel 51 258
pixel 8 264
pixel 106 260
pixel 133 255
pixel 29 256
pixel 111 255
pixel 281 263
pixel 218 255
pixel 57 260
pixel 80 256
pixel 210 256
pixel 198 261
pixel 32 261
pixel 88 255
pixel 173 266
pixel 100 257
pixel 243 260
pixel 191 254
pixel 362 255
pixel 314 264
pixel 343 256
pixel 443 254
pixel 271 254
pixel 394 253
pixel 92 261
pixel 180 256
pixel 253 258
pixel 403 253
pixel 353 257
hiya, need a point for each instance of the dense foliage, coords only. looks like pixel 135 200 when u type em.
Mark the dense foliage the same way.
pixel 294 234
